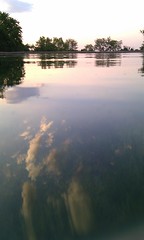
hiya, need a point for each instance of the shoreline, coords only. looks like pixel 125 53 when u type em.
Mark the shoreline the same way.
pixel 66 52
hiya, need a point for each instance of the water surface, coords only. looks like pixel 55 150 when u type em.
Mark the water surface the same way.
pixel 72 146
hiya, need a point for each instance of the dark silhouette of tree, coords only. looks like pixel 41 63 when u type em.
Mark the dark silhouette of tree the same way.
pixel 55 44
pixel 89 48
pixel 10 33
pixel 127 49
pixel 44 44
pixel 142 46
pixel 11 72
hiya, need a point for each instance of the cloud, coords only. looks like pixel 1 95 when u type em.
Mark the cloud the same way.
pixel 16 6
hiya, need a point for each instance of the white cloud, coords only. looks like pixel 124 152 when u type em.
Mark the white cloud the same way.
pixel 16 6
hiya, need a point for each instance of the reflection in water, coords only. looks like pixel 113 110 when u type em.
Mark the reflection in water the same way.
pixel 73 199
pixel 33 164
pixel 141 70
pixel 18 94
pixel 108 59
pixel 52 55
pixel 28 197
pixel 53 60
pixel 57 63
pixel 11 72
pixel 79 208
pixel 77 173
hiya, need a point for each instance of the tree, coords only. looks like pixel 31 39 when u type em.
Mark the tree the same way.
pixel 89 48
pixel 58 44
pixel 127 49
pixel 71 45
pixel 100 44
pixel 142 46
pixel 44 44
pixel 114 45
pixel 107 44
pixel 55 44
pixel 10 33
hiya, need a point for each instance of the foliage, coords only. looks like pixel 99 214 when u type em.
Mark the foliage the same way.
pixel 58 44
pixel 71 45
pixel 55 44
pixel 44 44
pixel 107 44
pixel 127 49
pixel 89 48
pixel 142 46
pixel 10 33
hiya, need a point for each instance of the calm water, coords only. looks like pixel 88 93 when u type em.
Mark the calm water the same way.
pixel 72 147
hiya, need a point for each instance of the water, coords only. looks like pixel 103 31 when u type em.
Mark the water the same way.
pixel 72 146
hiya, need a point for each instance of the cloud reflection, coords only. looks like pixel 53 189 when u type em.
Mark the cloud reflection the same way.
pixel 41 155
pixel 19 94
pixel 32 165
pixel 28 197
pixel 72 198
pixel 51 162
pixel 79 206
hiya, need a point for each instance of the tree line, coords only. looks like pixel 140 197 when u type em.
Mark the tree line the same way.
pixel 11 40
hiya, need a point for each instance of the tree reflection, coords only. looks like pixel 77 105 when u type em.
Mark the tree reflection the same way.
pixel 11 72
pixel 141 70
pixel 108 59
pixel 57 60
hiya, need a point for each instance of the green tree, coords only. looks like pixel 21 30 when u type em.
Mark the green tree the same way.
pixel 10 33
pixel 114 45
pixel 55 44
pixel 44 44
pixel 71 45
pixel 58 44
pixel 107 44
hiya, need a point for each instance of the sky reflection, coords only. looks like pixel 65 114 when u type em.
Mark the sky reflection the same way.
pixel 72 151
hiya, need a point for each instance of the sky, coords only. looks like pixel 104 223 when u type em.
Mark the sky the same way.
pixel 82 20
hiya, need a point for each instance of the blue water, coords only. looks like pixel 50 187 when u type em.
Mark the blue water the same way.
pixel 72 146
